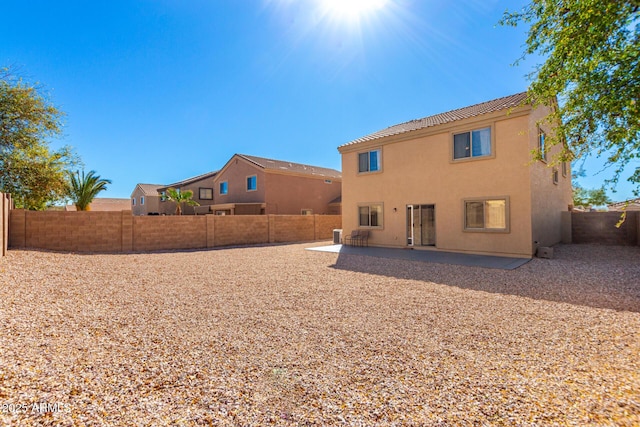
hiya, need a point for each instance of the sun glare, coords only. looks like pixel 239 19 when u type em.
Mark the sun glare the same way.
pixel 352 9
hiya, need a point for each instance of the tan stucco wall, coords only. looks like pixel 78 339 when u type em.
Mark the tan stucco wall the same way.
pixel 548 200
pixel 417 168
pixel 137 209
pixel 151 203
pixel 289 194
pixel 283 193
pixel 236 173
pixel 169 208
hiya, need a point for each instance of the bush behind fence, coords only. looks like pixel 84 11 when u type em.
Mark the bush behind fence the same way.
pixel 121 232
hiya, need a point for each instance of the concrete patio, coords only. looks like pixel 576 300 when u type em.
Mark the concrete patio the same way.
pixel 440 257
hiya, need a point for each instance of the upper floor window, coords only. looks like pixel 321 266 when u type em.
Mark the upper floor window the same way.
pixel 224 188
pixel 141 200
pixel 542 147
pixel 205 193
pixel 133 202
pixel 252 183
pixel 370 161
pixel 475 143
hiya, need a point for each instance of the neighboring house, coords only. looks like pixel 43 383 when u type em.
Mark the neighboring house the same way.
pixel 101 204
pixel 202 187
pixel 250 185
pixel 145 200
pixel 627 205
pixel 460 181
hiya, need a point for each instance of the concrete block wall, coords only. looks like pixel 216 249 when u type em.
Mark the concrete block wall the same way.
pixel 241 229
pixel 600 228
pixel 122 232
pixel 66 231
pixel 288 228
pixel 169 232
pixel 5 206
pixel 325 224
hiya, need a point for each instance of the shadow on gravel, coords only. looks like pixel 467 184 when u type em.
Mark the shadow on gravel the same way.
pixel 588 275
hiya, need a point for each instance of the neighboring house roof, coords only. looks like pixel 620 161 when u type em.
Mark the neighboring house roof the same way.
pixel 290 167
pixel 630 205
pixel 149 189
pixel 188 181
pixel 450 116
pixel 101 204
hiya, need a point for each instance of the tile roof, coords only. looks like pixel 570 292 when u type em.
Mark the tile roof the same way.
pixel 101 204
pixel 284 166
pixel 448 117
pixel 189 180
pixel 632 204
pixel 150 189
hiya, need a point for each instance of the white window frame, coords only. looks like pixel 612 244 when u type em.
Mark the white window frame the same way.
pixel 564 169
pixel 368 153
pixel 484 200
pixel 379 218
pixel 471 157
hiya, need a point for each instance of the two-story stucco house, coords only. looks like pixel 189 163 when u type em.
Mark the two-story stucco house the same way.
pixel 462 181
pixel 145 199
pixel 202 188
pixel 256 185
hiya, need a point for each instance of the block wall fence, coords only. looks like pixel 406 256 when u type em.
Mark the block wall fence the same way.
pixel 5 206
pixel 600 228
pixel 122 232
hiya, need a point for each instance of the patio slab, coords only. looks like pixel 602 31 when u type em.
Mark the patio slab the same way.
pixel 440 257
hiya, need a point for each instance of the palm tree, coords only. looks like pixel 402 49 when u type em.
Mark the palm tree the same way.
pixel 179 197
pixel 83 189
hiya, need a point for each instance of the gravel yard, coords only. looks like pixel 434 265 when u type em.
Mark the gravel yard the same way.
pixel 277 335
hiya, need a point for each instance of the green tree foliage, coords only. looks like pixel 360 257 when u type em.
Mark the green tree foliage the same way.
pixel 33 173
pixel 180 197
pixel 589 197
pixel 591 52
pixel 84 188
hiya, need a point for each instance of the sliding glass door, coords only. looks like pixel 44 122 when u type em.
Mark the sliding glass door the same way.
pixel 421 225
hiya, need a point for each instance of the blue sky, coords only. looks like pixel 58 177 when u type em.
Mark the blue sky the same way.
pixel 157 91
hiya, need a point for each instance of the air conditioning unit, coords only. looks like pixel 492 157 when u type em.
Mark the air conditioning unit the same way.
pixel 337 237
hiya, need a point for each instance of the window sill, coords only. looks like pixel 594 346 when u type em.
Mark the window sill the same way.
pixel 472 159
pixel 487 230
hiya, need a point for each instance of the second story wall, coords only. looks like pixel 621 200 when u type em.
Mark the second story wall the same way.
pixel 289 194
pixel 551 190
pixel 144 203
pixel 235 176
pixel 419 168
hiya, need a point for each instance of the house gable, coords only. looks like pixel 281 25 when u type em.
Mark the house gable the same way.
pixel 283 187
